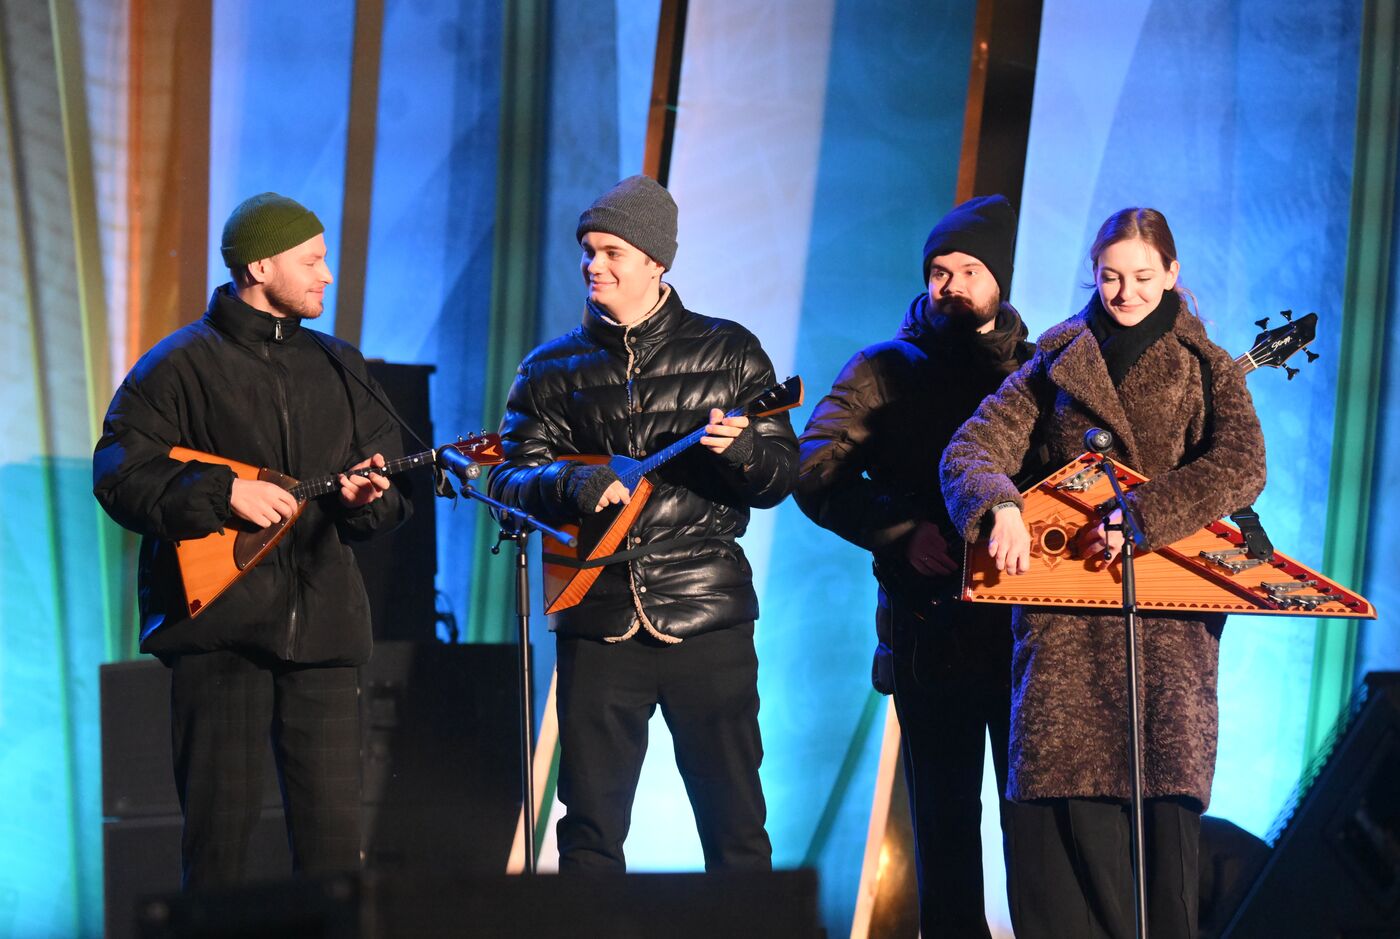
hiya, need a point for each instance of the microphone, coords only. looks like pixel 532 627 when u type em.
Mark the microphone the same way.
pixel 1097 440
pixel 452 460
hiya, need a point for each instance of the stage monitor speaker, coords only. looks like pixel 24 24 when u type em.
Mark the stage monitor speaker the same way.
pixel 399 567
pixel 1335 869
pixel 441 755
pixel 441 771
pixel 323 907
pixel 774 905
pixel 142 855
pixel 137 778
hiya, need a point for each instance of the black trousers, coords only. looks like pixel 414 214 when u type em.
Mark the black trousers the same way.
pixel 952 690
pixel 707 689
pixel 1076 878
pixel 224 706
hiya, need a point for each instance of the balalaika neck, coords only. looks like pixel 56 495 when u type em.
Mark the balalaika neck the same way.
pixel 635 474
pixel 311 488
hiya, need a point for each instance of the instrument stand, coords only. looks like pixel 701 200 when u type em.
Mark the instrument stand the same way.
pixel 1132 538
pixel 516 526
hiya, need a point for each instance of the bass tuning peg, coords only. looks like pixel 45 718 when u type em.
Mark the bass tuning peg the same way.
pixel 1312 356
pixel 1291 371
pixel 1262 324
pixel 1287 314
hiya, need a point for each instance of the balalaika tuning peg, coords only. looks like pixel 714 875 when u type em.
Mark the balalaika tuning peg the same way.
pixel 1291 372
pixel 1312 356
pixel 1287 314
pixel 1262 324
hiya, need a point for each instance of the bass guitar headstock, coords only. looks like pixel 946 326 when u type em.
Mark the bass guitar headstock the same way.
pixel 779 398
pixel 1274 347
pixel 482 448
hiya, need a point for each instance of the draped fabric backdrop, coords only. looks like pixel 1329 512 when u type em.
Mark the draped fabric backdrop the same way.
pixel 815 144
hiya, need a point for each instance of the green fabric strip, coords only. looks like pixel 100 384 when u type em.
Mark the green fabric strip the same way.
pixel 841 785
pixel 1363 332
pixel 514 275
pixel 551 786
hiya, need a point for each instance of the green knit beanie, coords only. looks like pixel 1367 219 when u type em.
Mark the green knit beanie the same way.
pixel 265 225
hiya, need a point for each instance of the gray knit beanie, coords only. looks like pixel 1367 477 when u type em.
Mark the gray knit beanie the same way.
pixel 265 225
pixel 640 212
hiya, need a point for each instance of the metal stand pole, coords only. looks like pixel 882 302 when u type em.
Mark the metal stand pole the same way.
pixel 1099 441
pixel 1134 738
pixel 520 534
pixel 527 693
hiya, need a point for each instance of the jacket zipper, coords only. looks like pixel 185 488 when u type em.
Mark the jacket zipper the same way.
pixel 276 368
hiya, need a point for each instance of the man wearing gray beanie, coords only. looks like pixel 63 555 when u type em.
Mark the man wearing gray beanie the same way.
pixel 274 654
pixel 670 621
pixel 870 452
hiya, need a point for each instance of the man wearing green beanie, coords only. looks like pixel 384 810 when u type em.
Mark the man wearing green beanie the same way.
pixel 671 622
pixel 275 654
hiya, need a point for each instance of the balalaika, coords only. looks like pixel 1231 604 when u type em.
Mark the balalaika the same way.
pixel 211 564
pixel 570 572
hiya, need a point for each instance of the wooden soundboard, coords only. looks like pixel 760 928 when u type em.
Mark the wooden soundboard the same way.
pixel 1209 571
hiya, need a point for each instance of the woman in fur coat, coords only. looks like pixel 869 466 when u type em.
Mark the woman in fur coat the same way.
pixel 1134 361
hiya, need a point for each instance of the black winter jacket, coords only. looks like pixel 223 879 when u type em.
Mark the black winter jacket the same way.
pixel 244 385
pixel 871 447
pixel 870 450
pixel 606 389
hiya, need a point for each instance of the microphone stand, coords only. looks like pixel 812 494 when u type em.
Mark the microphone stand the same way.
pixel 516 526
pixel 1132 539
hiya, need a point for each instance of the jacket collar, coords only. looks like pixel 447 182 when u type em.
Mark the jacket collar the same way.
pixel 230 315
pixel 922 323
pixel 643 336
pixel 1080 370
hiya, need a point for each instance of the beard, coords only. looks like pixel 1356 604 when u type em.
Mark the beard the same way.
pixel 965 313
pixel 290 302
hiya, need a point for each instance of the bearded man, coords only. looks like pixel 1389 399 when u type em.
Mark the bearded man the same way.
pixel 275 654
pixel 869 472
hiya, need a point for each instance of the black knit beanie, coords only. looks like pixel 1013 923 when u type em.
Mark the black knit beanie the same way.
pixel 985 228
pixel 640 212
pixel 265 225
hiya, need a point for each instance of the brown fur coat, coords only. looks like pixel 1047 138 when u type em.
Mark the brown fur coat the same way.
pixel 1069 711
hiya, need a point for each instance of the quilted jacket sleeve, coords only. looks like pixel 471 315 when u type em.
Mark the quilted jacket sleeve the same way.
pixel 771 472
pixel 530 478
pixel 134 478
pixel 832 486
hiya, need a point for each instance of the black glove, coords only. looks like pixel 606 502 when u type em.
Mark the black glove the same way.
pixel 585 484
pixel 740 452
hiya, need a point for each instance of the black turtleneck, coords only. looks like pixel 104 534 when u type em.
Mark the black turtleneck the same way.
pixel 1121 345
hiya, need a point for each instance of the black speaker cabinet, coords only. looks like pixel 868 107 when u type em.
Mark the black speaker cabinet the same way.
pixel 399 567
pixel 1335 870
pixel 773 905
pixel 441 771
pixel 142 855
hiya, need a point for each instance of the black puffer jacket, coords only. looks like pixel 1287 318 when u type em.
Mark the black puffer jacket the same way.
pixel 871 447
pixel 228 385
pixel 870 450
pixel 571 396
